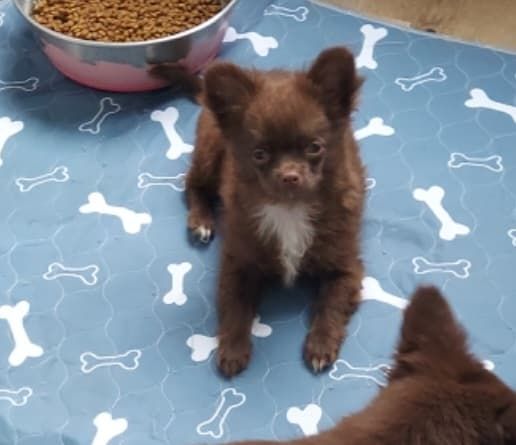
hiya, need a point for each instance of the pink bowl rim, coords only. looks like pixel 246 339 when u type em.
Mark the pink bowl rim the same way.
pixel 93 43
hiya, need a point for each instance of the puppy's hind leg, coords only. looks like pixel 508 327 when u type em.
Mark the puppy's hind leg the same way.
pixel 202 184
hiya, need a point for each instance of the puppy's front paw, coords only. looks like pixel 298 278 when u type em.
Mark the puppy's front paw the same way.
pixel 321 350
pixel 203 234
pixel 201 229
pixel 233 356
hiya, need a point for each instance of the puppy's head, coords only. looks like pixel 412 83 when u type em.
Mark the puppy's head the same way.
pixel 453 396
pixel 285 128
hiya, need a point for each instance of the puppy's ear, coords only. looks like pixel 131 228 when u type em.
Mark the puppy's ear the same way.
pixel 228 91
pixel 431 339
pixel 334 75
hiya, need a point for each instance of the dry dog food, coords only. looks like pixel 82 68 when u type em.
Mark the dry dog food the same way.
pixel 123 20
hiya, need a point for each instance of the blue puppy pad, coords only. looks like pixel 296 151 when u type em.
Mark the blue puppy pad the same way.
pixel 118 307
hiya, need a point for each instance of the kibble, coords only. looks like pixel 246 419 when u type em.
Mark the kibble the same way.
pixel 123 20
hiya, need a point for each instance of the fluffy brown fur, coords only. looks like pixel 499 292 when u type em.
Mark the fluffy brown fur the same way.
pixel 280 139
pixel 438 394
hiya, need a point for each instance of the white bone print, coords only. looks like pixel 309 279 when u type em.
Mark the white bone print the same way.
pixel 299 14
pixel 168 120
pixel 433 198
pixel 262 45
pixel 58 174
pixel 489 365
pixel 375 127
pixel 177 183
pixel 372 290
pixel 86 274
pixel 229 400
pixel 8 128
pixel 370 183
pixel 307 418
pixel 492 163
pixel 480 99
pixel 459 268
pixel 342 369
pixel 24 348
pixel 107 107
pixel 132 222
pixel 18 397
pixel 29 85
pixel 372 36
pixel 176 294
pixel 108 428
pixel 407 84
pixel 202 345
pixel 128 361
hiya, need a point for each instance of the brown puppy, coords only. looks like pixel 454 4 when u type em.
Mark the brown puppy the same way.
pixel 438 394
pixel 278 148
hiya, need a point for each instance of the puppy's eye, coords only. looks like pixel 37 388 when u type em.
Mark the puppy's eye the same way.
pixel 316 148
pixel 260 156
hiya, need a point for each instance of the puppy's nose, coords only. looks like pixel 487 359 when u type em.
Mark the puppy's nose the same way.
pixel 291 178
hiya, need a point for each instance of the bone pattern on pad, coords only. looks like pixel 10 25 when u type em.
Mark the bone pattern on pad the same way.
pixel 480 99
pixel 17 397
pixel 307 418
pixel 262 45
pixel 511 233
pixel 168 120
pixel 176 294
pixel 8 128
pixel 107 107
pixel 229 400
pixel 108 428
pixel 407 84
pixel 59 174
pixel 202 345
pixel 132 222
pixel 375 127
pixel 87 274
pixel 146 180
pixel 128 361
pixel 23 346
pixel 433 198
pixel 372 36
pixel 372 290
pixel 29 85
pixel 459 268
pixel 488 364
pixel 493 163
pixel 342 369
pixel 299 14
pixel 370 183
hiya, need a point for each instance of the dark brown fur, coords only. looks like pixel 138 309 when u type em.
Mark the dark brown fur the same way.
pixel 285 112
pixel 438 394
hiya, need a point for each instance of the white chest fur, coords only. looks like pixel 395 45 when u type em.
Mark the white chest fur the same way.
pixel 293 230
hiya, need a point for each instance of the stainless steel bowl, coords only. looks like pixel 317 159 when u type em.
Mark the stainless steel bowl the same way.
pixel 123 67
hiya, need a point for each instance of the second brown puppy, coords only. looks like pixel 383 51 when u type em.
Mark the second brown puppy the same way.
pixel 278 148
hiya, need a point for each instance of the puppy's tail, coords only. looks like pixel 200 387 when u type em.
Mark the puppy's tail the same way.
pixel 180 79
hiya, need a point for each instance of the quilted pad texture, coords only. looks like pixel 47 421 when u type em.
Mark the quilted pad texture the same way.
pixel 107 313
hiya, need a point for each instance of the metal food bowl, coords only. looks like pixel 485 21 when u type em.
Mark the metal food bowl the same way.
pixel 123 67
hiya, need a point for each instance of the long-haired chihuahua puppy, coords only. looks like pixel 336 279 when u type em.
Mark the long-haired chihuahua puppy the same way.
pixel 278 149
